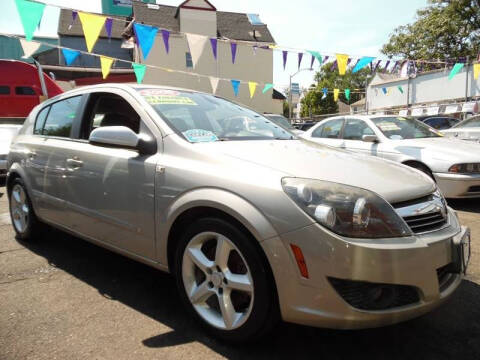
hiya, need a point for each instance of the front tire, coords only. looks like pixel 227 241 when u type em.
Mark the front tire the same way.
pixel 224 281
pixel 24 220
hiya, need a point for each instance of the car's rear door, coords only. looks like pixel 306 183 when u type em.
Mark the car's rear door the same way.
pixel 329 133
pixel 353 132
pixel 110 191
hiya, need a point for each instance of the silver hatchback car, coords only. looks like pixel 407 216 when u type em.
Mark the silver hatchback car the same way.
pixel 255 224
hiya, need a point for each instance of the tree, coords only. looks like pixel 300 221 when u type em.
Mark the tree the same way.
pixel 286 109
pixel 330 79
pixel 446 29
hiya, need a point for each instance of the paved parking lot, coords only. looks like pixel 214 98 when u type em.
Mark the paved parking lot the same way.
pixel 63 298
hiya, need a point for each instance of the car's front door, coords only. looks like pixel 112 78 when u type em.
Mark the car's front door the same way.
pixel 353 132
pixel 110 190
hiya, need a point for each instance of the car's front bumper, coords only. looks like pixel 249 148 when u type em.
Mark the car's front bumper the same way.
pixel 458 186
pixel 411 261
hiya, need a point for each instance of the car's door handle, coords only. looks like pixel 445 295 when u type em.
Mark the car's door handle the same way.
pixel 31 155
pixel 74 163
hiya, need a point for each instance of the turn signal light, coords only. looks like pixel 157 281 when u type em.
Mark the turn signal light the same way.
pixel 302 265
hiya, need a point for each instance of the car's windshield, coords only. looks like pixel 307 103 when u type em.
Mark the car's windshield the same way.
pixel 280 120
pixel 203 118
pixel 399 128
pixel 472 122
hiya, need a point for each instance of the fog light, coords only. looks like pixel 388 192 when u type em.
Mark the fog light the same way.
pixel 325 215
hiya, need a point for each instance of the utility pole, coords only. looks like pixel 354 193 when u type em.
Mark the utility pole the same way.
pixel 290 93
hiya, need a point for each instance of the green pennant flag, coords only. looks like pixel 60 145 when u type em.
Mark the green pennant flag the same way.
pixel 347 94
pixel 139 70
pixel 267 87
pixel 456 68
pixel 400 89
pixel 315 55
pixel 30 14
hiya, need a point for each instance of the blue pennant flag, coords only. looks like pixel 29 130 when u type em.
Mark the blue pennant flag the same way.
pixel 364 61
pixel 235 85
pixel 145 36
pixel 325 92
pixel 70 55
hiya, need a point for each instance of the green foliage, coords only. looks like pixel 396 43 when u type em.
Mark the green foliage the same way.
pixel 329 79
pixel 445 29
pixel 286 109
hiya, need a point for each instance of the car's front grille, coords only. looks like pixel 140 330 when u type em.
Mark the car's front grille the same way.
pixel 425 222
pixel 424 214
pixel 475 188
pixel 372 296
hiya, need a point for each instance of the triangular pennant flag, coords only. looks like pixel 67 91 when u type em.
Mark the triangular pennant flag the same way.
pixel 476 71
pixel 325 92
pixel 74 17
pixel 386 66
pixel 214 43
pixel 166 40
pixel 106 64
pixel 376 66
pixel 342 60
pixel 336 92
pixel 254 47
pixel 70 55
pixel 146 36
pixel 29 47
pixel 30 14
pixel 364 61
pixel 252 86
pixel 456 68
pixel 315 55
pixel 196 43
pixel 108 27
pixel 325 59
pixel 285 55
pixel 400 89
pixel 300 57
pixel 233 47
pixel 214 82
pixel 139 70
pixel 92 26
pixel 384 90
pixel 235 85
pixel 267 87
pixel 347 94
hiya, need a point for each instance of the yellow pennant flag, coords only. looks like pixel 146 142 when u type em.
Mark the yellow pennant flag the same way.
pixel 92 26
pixel 106 64
pixel 252 86
pixel 335 94
pixel 476 71
pixel 342 60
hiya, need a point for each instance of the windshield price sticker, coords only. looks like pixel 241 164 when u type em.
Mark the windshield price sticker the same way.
pixel 388 126
pixel 169 100
pixel 152 92
pixel 200 135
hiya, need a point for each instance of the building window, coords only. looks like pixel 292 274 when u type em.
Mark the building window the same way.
pixel 4 90
pixel 24 90
pixel 188 58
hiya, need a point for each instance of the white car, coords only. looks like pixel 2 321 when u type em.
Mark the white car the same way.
pixel 452 163
pixel 466 130
pixel 283 122
pixel 7 133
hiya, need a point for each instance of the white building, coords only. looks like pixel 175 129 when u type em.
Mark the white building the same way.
pixel 429 93
pixel 201 17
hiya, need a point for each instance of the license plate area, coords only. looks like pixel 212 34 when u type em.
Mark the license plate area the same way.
pixel 461 251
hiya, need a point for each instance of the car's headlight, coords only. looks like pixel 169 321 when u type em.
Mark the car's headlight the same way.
pixel 471 168
pixel 346 210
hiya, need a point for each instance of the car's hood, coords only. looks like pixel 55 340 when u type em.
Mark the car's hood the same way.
pixel 300 158
pixel 463 133
pixel 442 148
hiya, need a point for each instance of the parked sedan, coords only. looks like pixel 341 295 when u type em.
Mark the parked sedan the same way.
pixel 283 122
pixel 254 224
pixel 7 133
pixel 440 122
pixel 453 164
pixel 466 130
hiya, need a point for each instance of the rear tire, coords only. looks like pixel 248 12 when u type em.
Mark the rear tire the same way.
pixel 24 221
pixel 224 282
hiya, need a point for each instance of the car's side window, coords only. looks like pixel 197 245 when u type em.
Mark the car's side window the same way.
pixel 355 129
pixel 330 130
pixel 108 109
pixel 60 117
pixel 24 90
pixel 4 90
pixel 40 121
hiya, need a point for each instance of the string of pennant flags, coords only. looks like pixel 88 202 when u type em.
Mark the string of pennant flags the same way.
pixel 31 13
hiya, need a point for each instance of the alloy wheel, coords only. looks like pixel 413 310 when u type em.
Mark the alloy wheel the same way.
pixel 19 208
pixel 217 280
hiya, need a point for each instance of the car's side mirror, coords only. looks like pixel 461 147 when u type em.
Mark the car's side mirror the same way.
pixel 370 138
pixel 122 137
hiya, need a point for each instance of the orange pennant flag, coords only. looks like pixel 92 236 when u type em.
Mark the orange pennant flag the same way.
pixel 92 26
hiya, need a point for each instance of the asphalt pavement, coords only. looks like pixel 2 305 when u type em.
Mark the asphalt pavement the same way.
pixel 63 298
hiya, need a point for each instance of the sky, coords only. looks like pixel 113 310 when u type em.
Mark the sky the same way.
pixel 354 27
